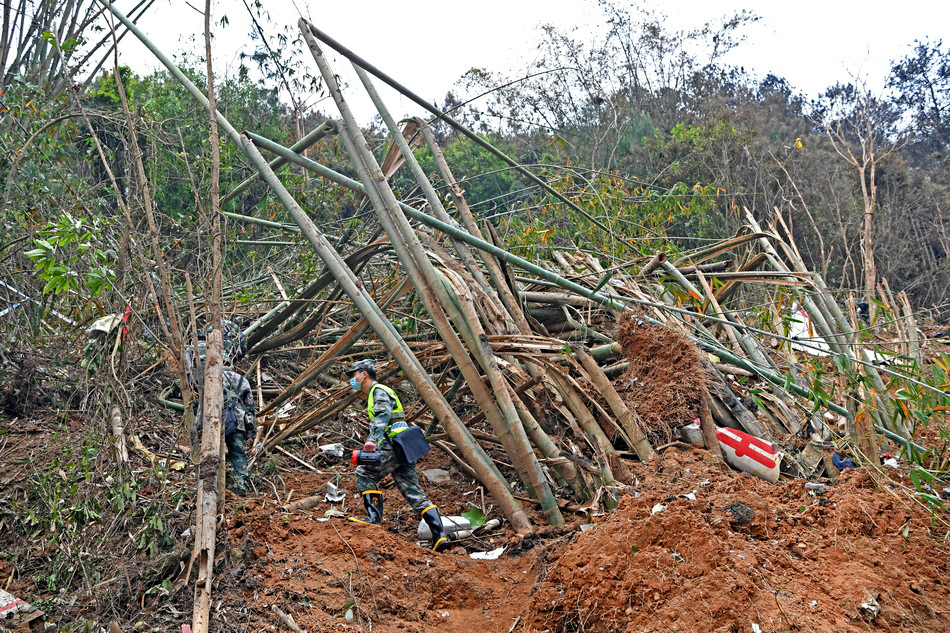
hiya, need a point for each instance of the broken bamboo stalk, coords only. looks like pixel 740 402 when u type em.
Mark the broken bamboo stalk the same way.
pixel 401 236
pixel 340 346
pixel 287 620
pixel 628 419
pixel 653 264
pixel 608 302
pixel 708 427
pixel 428 285
pixel 361 299
pixel 118 432
pixel 495 272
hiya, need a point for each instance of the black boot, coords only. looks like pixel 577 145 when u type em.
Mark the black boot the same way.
pixel 434 521
pixel 373 500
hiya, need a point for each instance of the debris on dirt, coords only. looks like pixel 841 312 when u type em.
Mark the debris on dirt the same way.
pixel 791 551
pixel 741 513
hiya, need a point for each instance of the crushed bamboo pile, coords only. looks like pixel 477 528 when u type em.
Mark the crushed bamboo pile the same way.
pixel 542 366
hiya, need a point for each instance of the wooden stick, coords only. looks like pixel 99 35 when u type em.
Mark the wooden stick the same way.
pixel 296 459
pixel 458 460
pixel 708 427
pixel 118 431
pixel 286 619
pixel 303 504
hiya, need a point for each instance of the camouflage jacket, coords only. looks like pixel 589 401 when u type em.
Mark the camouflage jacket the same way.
pixel 239 412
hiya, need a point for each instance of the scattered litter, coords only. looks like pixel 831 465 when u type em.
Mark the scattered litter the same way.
pixel 813 603
pixel 692 433
pixel 333 512
pixel 456 528
pixel 841 462
pixel 892 462
pixel 334 494
pixel 492 555
pixel 189 531
pixel 437 476
pixel 285 410
pixel 801 329
pixel 333 450
pixel 870 608
pixel 658 508
pixel 756 628
pixel 690 496
pixel 12 607
pixel 587 526
pixel 816 489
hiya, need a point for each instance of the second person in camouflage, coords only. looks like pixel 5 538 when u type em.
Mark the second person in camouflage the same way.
pixel 240 426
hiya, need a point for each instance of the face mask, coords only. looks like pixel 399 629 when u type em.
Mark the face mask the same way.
pixel 354 384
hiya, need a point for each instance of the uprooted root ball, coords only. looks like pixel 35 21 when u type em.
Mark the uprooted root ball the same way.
pixel 666 378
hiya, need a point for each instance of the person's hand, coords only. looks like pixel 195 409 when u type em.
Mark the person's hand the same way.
pixel 369 447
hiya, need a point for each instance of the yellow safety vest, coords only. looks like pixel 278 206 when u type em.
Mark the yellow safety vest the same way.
pixel 397 422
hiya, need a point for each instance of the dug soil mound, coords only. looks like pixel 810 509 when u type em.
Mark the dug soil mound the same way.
pixel 694 546
pixel 701 549
pixel 665 380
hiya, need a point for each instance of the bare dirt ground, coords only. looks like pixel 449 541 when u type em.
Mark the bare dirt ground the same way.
pixel 741 553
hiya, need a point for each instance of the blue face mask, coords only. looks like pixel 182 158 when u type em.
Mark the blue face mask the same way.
pixel 355 384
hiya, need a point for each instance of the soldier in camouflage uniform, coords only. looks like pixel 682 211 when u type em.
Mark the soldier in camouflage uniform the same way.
pixel 238 414
pixel 240 426
pixel 386 419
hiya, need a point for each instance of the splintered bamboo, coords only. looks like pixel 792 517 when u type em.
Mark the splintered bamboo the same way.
pixel 627 418
pixel 317 34
pixel 340 346
pixel 435 203
pixel 458 197
pixel 386 332
pixel 611 302
pixel 422 274
pixel 270 321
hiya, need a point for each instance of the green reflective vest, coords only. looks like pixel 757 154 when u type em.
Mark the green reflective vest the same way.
pixel 398 418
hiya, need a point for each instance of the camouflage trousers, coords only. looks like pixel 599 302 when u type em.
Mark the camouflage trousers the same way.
pixel 404 475
pixel 237 458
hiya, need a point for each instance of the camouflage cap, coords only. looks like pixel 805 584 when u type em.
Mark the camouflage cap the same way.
pixel 361 365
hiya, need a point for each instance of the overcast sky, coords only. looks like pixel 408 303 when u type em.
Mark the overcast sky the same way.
pixel 428 45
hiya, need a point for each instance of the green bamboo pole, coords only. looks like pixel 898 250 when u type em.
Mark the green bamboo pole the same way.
pixel 309 139
pixel 359 61
pixel 466 319
pixel 268 223
pixel 431 196
pixel 609 302
pixel 491 264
